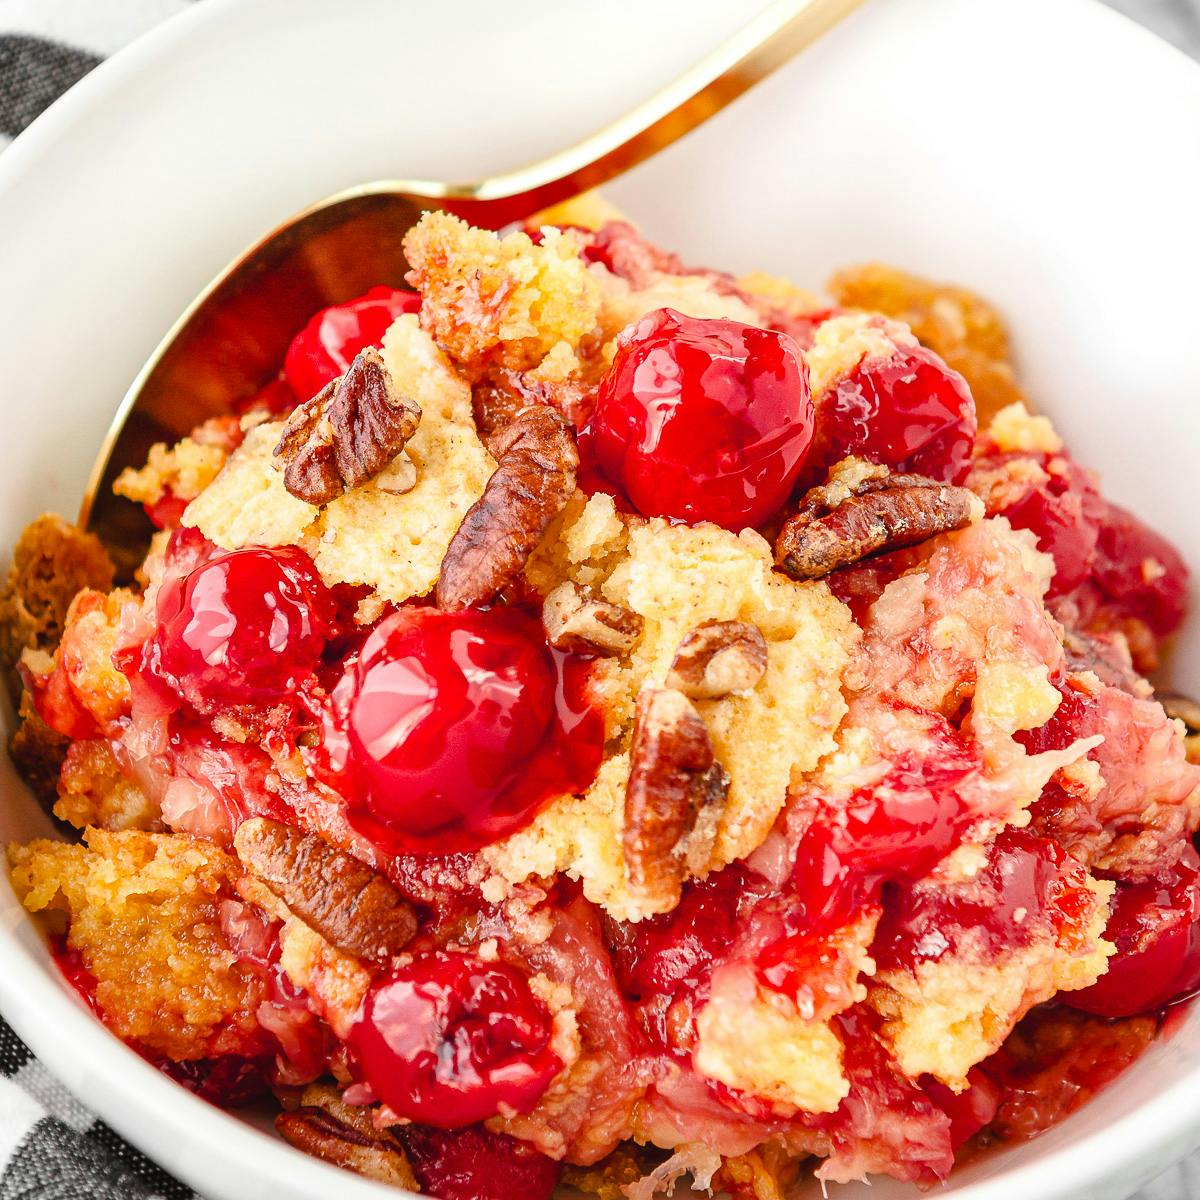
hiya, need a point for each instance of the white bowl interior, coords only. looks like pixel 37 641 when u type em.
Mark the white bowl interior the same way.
pixel 1047 155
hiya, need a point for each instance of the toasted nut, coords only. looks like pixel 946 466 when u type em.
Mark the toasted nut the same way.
pixel 52 563
pixel 584 624
pixel 1183 708
pixel 348 904
pixel 840 524
pixel 531 485
pixel 719 657
pixel 398 477
pixel 328 1128
pixel 347 433
pixel 674 783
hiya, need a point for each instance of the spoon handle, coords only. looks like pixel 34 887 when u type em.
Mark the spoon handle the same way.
pixel 772 38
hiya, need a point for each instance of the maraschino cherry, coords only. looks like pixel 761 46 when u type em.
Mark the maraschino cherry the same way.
pixel 704 420
pixel 448 1039
pixel 326 346
pixel 908 411
pixel 244 628
pixel 1156 927
pixel 452 729
pixel 476 1164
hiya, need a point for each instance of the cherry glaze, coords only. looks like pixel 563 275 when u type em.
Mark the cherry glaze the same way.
pixel 969 1111
pixel 1103 554
pixel 244 628
pixel 704 420
pixel 1156 928
pixel 447 1039
pixel 326 346
pixel 451 729
pixel 897 829
pixel 1023 874
pixel 476 1164
pixel 910 412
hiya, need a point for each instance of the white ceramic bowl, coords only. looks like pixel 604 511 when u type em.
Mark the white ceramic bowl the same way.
pixel 1047 153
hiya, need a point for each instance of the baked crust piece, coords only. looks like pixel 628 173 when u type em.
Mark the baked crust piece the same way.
pixel 52 562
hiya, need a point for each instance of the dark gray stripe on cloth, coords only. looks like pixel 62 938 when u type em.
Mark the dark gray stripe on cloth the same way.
pixel 14 1054
pixel 34 72
pixel 54 1162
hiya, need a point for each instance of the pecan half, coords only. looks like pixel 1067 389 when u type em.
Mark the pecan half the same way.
pixel 351 906
pixel 1183 708
pixel 585 624
pixel 328 1128
pixel 347 433
pixel 534 479
pixel 718 657
pixel 839 524
pixel 675 785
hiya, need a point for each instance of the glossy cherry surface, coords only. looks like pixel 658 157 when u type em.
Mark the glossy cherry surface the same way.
pixel 246 627
pixel 909 411
pixel 704 419
pixel 326 346
pixel 451 729
pixel 1156 928
pixel 897 829
pixel 1024 875
pixel 476 1164
pixel 448 1038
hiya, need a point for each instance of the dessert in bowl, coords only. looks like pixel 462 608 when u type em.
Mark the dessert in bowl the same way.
pixel 598 719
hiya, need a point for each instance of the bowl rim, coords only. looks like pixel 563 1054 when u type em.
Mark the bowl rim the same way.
pixel 149 1109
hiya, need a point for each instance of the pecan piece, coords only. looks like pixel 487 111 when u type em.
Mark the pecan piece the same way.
pixel 502 394
pixel 719 657
pixel 842 523
pixel 675 787
pixel 328 1128
pixel 534 479
pixel 351 906
pixel 585 624
pixel 347 433
pixel 1183 708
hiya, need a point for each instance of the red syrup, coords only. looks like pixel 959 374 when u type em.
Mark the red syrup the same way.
pixel 448 1040
pixel 451 730
pixel 703 420
pixel 327 345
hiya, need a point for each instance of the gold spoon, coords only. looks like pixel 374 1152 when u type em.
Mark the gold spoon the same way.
pixel 232 338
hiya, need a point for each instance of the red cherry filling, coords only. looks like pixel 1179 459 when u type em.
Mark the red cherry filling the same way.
pixel 229 1081
pixel 897 829
pixel 1139 572
pixel 1104 557
pixel 451 730
pixel 704 420
pixel 1065 513
pixel 326 346
pixel 243 628
pixel 910 412
pixel 448 1039
pixel 476 1164
pixel 1026 875
pixel 1156 928
pixel 968 1111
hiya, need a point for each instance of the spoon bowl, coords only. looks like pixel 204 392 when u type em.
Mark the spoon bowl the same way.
pixel 231 340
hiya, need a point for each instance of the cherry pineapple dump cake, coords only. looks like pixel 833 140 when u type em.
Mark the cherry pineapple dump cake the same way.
pixel 592 720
